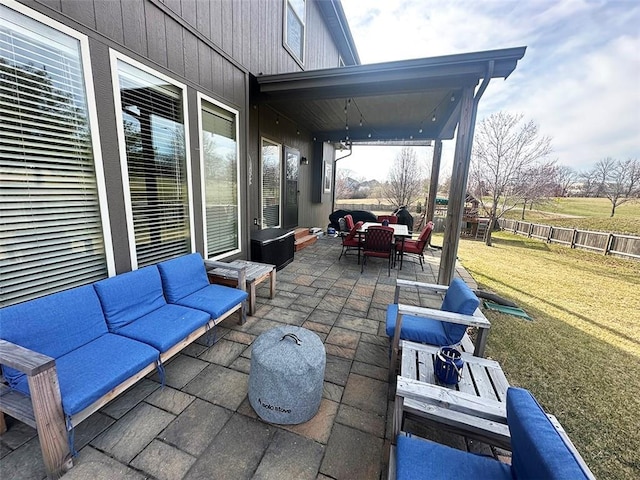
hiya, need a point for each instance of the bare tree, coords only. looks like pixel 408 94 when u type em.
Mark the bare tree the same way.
pixel 504 148
pixel 345 183
pixel 565 178
pixel 406 179
pixel 536 185
pixel 619 180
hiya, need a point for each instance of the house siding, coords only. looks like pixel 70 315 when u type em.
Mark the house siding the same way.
pixel 213 47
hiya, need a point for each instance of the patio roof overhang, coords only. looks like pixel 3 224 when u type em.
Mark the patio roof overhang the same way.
pixel 404 100
pixel 411 100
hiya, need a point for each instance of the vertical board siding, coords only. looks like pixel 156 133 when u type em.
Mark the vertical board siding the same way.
pixel 156 34
pixel 203 19
pixel 109 20
pixel 81 11
pixel 175 47
pixel 204 65
pixel 191 52
pixel 135 26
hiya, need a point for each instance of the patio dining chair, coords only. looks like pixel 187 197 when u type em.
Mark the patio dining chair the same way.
pixel 352 240
pixel 349 221
pixel 388 218
pixel 378 242
pixel 415 248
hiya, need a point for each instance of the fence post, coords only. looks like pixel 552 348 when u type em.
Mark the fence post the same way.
pixel 608 245
pixel 530 230
pixel 549 233
pixel 573 238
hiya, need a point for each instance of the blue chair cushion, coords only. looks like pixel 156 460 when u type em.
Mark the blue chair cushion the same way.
pixel 165 327
pixel 538 449
pixel 129 296
pixel 183 276
pixel 53 325
pixel 417 458
pixel 92 370
pixel 216 300
pixel 417 329
pixel 458 299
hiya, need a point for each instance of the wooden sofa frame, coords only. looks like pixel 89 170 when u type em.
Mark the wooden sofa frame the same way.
pixel 43 410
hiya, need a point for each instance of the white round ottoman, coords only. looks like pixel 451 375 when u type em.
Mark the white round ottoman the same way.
pixel 286 376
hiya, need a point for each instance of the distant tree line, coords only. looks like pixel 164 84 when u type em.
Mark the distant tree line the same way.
pixel 511 168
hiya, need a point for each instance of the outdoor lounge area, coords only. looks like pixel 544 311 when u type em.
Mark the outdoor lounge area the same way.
pixel 200 424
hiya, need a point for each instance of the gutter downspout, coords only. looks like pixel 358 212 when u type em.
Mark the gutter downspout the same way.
pixel 335 168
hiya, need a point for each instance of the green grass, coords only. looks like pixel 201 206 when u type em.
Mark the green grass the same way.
pixel 581 354
pixel 584 214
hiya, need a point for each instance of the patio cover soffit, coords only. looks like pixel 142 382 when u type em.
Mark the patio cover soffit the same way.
pixel 410 100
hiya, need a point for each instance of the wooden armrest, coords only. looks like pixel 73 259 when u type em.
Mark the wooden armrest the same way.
pixel 444 316
pixel 410 283
pixel 452 399
pixel 429 286
pixel 27 361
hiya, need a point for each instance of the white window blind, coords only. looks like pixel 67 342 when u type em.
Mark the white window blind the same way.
pixel 294 27
pixel 220 162
pixel 153 122
pixel 271 169
pixel 51 235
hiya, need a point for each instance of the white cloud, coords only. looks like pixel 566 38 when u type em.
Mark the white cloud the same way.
pixel 579 80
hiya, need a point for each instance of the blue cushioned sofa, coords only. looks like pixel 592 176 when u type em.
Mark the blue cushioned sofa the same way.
pixel 540 450
pixel 66 355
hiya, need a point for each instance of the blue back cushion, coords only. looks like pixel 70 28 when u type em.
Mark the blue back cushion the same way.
pixel 458 299
pixel 53 325
pixel 183 276
pixel 129 296
pixel 538 449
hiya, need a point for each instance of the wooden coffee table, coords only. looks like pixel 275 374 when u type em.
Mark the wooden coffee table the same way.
pixel 255 273
pixel 476 407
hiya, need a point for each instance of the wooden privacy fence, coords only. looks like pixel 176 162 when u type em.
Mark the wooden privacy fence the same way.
pixel 605 242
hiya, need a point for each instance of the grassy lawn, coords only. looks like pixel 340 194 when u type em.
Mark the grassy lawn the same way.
pixel 584 214
pixel 581 354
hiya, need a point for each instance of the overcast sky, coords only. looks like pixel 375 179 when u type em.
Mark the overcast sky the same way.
pixel 579 79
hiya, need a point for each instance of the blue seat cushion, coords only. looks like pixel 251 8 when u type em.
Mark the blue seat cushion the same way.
pixel 129 296
pixel 90 371
pixel 53 325
pixel 216 300
pixel 166 326
pixel 538 449
pixel 183 276
pixel 417 458
pixel 458 299
pixel 416 329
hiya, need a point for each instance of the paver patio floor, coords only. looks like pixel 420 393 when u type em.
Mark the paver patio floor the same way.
pixel 201 424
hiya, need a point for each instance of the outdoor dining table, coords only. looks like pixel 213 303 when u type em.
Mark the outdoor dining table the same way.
pixel 399 231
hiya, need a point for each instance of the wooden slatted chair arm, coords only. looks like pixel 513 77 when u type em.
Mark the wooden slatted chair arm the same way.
pixel 479 321
pixel 24 360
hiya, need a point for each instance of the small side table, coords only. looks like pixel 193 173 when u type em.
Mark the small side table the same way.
pixel 255 273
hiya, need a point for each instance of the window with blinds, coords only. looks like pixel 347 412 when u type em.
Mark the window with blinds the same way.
pixel 220 170
pixel 154 136
pixel 271 168
pixel 51 233
pixel 295 12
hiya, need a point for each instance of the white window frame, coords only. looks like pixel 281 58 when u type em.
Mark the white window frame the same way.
pixel 93 121
pixel 202 97
pixel 262 220
pixel 114 56
pixel 285 27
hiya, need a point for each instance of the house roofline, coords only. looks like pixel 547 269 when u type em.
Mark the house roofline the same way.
pixel 337 23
